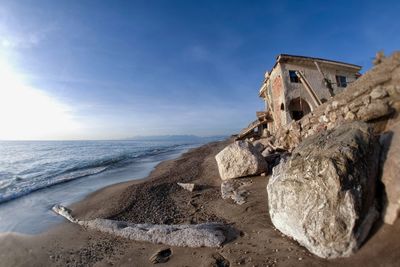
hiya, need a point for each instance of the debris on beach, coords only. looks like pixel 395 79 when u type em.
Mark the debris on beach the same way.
pixel 188 186
pixel 185 235
pixel 235 189
pixel 65 212
pixel 161 256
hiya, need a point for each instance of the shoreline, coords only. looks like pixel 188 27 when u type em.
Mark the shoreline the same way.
pixel 87 207
pixel 157 198
pixel 32 213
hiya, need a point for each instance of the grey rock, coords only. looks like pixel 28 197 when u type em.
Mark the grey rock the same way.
pixel 262 143
pixel 217 260
pixel 265 133
pixel 259 146
pixel 234 189
pixel 374 110
pixel 378 92
pixel 335 104
pixel 188 186
pixel 240 159
pixel 323 195
pixel 161 256
pixel 266 152
pixel 65 212
pixel 350 116
pixel 390 173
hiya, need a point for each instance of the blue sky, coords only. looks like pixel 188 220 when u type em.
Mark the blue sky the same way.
pixel 126 68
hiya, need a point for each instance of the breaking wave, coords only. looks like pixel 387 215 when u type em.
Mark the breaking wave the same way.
pixel 45 173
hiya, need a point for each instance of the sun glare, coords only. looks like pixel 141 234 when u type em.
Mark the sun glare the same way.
pixel 28 113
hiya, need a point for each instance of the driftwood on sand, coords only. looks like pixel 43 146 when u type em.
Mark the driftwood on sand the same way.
pixel 185 235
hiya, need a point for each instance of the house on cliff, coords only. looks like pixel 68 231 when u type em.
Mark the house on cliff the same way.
pixel 295 86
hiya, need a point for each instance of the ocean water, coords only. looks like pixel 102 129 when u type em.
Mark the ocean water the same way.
pixel 36 175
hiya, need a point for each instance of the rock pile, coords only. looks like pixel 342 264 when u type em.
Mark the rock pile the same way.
pixel 239 160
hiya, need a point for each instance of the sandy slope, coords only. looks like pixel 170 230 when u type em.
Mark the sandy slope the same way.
pixel 159 200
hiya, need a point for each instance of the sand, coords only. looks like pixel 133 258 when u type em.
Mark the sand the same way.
pixel 157 199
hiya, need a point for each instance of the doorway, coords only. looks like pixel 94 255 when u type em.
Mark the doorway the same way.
pixel 298 108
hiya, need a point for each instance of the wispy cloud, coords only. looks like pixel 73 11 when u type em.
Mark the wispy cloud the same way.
pixel 16 35
pixel 21 40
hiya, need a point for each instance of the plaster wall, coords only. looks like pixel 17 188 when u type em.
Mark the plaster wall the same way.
pixel 310 71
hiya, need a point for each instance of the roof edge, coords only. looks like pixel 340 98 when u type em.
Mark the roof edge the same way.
pixel 322 60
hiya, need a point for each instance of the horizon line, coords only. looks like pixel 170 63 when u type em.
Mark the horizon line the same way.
pixel 116 139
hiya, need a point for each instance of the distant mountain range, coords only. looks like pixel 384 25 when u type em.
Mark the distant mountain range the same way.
pixel 186 138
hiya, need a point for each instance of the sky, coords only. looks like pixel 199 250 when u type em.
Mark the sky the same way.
pixel 117 69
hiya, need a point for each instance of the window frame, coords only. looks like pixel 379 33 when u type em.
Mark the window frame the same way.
pixel 293 78
pixel 340 82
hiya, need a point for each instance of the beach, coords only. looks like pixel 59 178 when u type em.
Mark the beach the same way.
pixel 158 199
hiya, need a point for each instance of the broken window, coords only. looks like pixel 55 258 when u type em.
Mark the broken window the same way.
pixel 341 81
pixel 293 76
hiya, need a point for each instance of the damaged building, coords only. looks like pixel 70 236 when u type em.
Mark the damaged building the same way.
pixel 295 86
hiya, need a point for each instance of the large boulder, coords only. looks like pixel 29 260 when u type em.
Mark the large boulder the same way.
pixel 240 159
pixel 390 173
pixel 323 195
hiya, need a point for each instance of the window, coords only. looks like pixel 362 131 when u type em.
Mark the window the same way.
pixel 341 81
pixel 293 76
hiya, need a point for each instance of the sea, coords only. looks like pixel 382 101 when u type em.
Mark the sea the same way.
pixel 36 175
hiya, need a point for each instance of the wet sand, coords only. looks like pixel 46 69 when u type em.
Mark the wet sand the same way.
pixel 157 199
